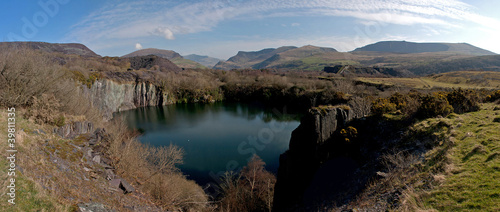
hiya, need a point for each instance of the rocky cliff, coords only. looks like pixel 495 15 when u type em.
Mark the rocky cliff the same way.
pixel 307 152
pixel 110 96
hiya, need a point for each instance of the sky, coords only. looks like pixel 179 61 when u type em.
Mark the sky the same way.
pixel 221 28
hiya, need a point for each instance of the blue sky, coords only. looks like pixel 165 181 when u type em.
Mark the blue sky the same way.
pixel 220 28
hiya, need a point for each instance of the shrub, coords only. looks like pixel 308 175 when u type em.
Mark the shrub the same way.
pixel 381 106
pixel 349 133
pixel 360 106
pixel 154 170
pixel 60 121
pixel 433 105
pixel 251 190
pixel 45 110
pixel 493 96
pixel 399 100
pixel 24 74
pixel 80 77
pixel 463 101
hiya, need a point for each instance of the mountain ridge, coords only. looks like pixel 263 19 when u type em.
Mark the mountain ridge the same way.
pixel 203 59
pixel 65 48
pixel 414 47
pixel 173 56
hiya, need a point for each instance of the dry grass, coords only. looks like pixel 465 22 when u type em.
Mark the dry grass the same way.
pixel 153 170
pixel 250 190
pixel 459 79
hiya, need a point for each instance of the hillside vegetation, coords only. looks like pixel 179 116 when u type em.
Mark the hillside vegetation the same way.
pixel 425 145
pixel 412 47
pixel 203 60
pixel 417 58
pixel 174 57
pixel 459 79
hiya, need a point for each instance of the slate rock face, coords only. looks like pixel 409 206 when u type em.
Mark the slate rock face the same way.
pixel 74 129
pixel 299 164
pixel 109 96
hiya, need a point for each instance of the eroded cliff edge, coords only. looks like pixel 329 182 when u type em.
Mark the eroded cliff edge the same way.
pixel 110 96
pixel 312 150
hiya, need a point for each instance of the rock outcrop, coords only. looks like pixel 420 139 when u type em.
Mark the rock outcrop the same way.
pixel 74 129
pixel 109 96
pixel 306 153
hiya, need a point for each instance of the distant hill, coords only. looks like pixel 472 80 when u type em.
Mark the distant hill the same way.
pixel 203 60
pixel 349 70
pixel 65 48
pixel 247 59
pixel 273 58
pixel 167 54
pixel 149 61
pixel 301 56
pixel 173 56
pixel 485 63
pixel 411 47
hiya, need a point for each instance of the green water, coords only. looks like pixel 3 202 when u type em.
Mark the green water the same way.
pixel 216 137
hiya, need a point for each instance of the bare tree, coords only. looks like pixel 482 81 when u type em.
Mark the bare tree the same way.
pixel 360 106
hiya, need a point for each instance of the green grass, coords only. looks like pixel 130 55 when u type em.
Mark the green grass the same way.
pixel 314 63
pixel 185 63
pixel 459 79
pixel 29 196
pixel 473 181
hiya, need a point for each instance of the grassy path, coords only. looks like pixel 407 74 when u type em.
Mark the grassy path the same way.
pixel 473 179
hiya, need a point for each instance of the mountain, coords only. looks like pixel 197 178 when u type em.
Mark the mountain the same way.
pixel 65 48
pixel 486 63
pixel 204 60
pixel 283 57
pixel 167 54
pixel 295 58
pixel 398 56
pixel 173 56
pixel 247 59
pixel 411 47
pixel 150 61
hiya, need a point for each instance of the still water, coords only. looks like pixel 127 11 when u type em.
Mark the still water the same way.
pixel 216 137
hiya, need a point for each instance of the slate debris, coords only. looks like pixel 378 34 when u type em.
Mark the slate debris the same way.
pixel 121 184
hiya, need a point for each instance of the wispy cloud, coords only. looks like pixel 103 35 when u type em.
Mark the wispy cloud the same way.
pixel 171 19
pixel 153 17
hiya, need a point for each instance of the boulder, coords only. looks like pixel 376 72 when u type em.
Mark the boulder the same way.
pixel 93 207
pixel 122 184
pixel 74 129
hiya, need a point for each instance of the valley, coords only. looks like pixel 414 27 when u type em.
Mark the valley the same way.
pixel 389 126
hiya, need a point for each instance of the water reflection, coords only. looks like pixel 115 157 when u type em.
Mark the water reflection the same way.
pixel 214 134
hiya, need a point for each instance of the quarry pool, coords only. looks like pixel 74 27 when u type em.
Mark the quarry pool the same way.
pixel 216 137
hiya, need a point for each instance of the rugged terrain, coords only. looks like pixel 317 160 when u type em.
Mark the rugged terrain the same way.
pixel 204 60
pixel 175 57
pixel 417 58
pixel 365 142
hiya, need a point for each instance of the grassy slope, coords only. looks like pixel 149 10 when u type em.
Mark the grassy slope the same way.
pixel 29 195
pixel 53 176
pixel 473 182
pixel 463 79
pixel 185 63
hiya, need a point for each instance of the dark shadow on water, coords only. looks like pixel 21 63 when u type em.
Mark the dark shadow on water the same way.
pixel 217 134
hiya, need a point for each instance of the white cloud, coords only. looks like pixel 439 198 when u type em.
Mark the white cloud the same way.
pixel 165 32
pixel 153 17
pixel 171 19
pixel 138 46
